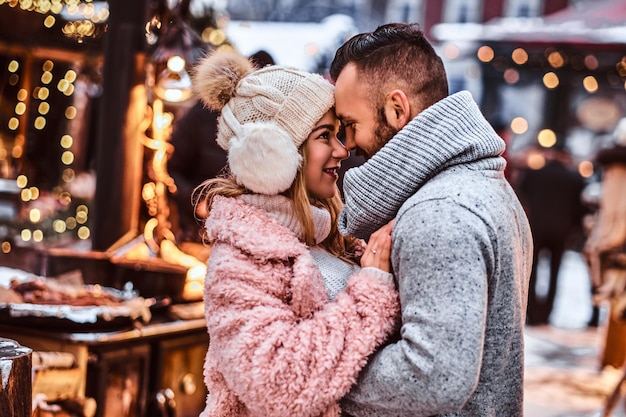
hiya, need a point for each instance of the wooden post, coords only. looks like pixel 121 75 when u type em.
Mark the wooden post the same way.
pixel 614 353
pixel 15 379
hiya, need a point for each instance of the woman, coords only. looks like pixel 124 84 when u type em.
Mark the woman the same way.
pixel 291 317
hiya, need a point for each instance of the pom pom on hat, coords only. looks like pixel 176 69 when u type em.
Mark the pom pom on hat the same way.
pixel 266 115
pixel 264 158
pixel 216 77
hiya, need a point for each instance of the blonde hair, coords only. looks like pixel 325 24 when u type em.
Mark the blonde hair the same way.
pixel 343 247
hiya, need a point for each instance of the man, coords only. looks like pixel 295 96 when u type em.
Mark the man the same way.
pixel 462 247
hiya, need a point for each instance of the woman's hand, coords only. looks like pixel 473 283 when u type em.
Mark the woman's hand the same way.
pixel 378 251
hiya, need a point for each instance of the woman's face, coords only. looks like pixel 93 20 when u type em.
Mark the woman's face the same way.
pixel 324 153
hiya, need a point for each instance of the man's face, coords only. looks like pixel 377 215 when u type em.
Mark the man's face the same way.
pixel 366 130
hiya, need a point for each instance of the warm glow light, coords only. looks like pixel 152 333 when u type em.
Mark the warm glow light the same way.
pixel 70 112
pixel 69 90
pixel 56 7
pixel 13 66
pixel 196 272
pixel 59 226
pixel 511 76
pixel 17 151
pixel 21 181
pixel 40 122
pixel 590 84
pixel 26 195
pixel 37 235
pixel 550 80
pixel 519 56
pixel 81 217
pixel 20 108
pixel 65 198
pixel 535 160
pixel 556 60
pixel 71 223
pixel 88 10
pixel 67 157
pixel 13 123
pixel 49 21
pixel 519 125
pixel 83 232
pixel 485 53
pixel 70 76
pixel 34 193
pixel 63 85
pixel 26 235
pixel 66 141
pixel 48 65
pixel 214 36
pixel 546 138
pixel 452 51
pixel 43 93
pixel 68 175
pixel 6 247
pixel 46 77
pixel 42 6
pixel 591 62
pixel 585 169
pixel 176 63
pixel 34 215
pixel 22 94
pixel 44 108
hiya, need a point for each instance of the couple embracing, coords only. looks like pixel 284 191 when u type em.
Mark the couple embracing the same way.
pixel 409 299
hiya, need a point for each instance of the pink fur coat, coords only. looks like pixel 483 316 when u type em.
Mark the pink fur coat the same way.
pixel 278 346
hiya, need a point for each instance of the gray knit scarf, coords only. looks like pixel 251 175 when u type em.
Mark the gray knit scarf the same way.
pixel 450 132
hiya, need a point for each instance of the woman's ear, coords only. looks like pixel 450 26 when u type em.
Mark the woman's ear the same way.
pixel 397 109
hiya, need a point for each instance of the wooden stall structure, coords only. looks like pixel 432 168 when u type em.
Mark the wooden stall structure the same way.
pixel 15 377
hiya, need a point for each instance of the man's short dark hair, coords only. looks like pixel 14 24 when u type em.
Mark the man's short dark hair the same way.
pixel 395 53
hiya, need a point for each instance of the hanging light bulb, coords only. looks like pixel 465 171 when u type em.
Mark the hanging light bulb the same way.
pixel 176 48
pixel 173 84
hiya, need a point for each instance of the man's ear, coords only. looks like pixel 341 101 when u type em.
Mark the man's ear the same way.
pixel 397 109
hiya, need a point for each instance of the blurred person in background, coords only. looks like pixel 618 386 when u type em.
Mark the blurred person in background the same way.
pixel 551 196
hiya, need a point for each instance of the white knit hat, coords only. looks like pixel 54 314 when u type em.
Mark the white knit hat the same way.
pixel 266 114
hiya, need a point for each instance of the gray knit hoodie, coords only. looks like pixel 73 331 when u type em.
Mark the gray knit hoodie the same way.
pixel 461 255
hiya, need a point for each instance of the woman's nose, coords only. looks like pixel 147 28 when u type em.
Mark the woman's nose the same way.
pixel 339 151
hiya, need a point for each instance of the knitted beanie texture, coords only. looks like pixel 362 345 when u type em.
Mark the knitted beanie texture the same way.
pixel 267 117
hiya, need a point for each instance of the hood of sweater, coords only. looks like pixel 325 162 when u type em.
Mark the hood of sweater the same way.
pixel 453 131
pixel 263 225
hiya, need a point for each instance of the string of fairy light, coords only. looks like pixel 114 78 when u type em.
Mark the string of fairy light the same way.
pixel 87 16
pixel 556 59
pixel 79 21
pixel 28 192
pixel 82 27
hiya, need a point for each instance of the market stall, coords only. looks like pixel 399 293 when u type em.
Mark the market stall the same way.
pixel 91 271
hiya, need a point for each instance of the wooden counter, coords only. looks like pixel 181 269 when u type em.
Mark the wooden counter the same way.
pixel 151 371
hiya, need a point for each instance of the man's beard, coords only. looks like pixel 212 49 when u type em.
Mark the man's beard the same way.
pixel 383 132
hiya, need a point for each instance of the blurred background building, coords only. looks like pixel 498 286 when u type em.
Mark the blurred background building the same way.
pixel 543 71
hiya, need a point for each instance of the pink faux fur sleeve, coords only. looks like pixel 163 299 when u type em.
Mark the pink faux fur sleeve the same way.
pixel 278 347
